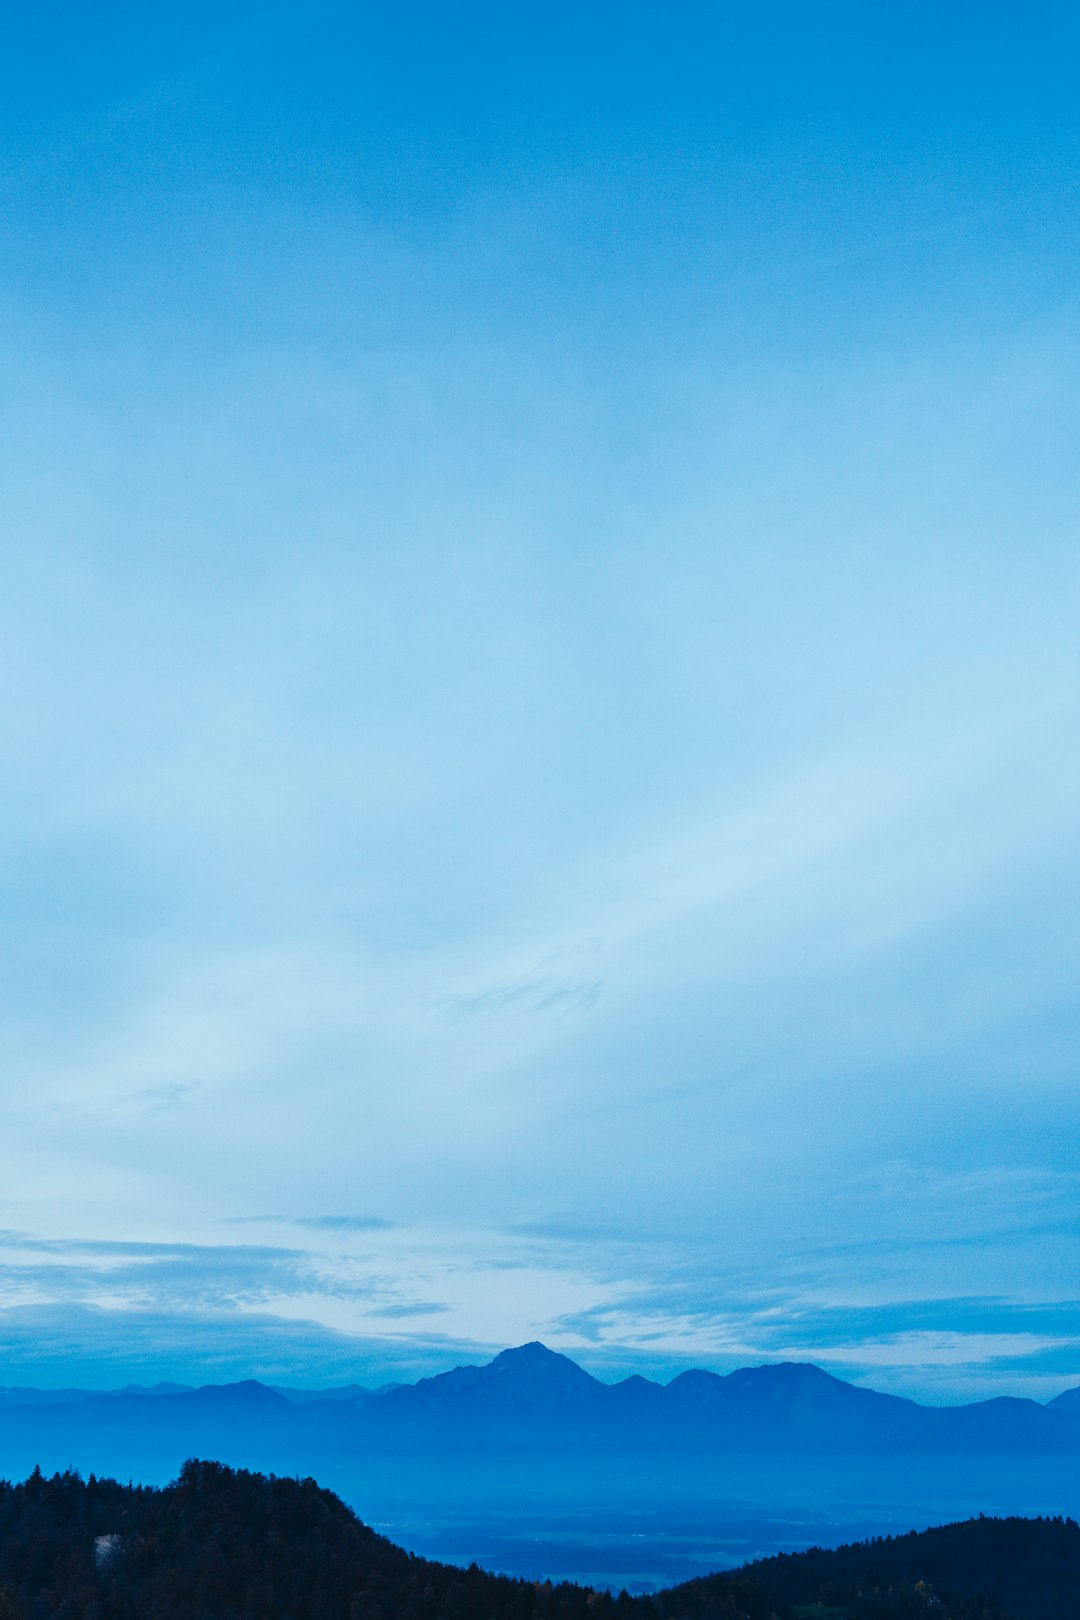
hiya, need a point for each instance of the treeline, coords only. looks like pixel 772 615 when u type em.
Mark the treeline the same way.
pixel 981 1569
pixel 225 1544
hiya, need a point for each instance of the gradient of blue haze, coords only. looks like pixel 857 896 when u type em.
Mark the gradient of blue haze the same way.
pixel 538 614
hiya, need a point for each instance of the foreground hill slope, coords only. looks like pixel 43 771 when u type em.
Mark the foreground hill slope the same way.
pixel 977 1570
pixel 221 1544
pixel 224 1544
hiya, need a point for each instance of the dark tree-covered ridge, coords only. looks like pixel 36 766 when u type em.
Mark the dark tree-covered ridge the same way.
pixel 226 1544
pixel 976 1570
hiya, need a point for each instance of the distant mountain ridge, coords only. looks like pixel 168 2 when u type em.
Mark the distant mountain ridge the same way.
pixel 535 1393
pixel 532 1402
pixel 531 1387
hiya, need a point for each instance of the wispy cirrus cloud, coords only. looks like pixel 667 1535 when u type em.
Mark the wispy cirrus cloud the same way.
pixel 317 1223
pixel 44 1343
pixel 188 1277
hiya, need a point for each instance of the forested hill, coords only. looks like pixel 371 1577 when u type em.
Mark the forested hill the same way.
pixel 223 1544
pixel 980 1569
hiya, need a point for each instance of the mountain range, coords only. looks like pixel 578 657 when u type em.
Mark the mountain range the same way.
pixel 534 1398
pixel 533 1419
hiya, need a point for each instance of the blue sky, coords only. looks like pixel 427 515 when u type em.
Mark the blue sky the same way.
pixel 538 620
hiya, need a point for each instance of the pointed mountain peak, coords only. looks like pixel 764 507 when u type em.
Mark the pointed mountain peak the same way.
pixel 533 1354
pixel 536 1362
pixel 533 1351
pixel 526 1373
